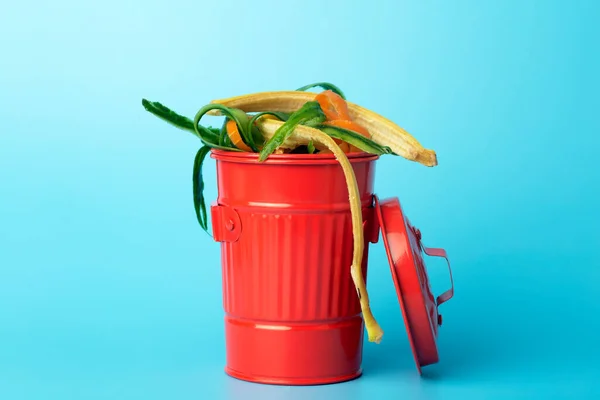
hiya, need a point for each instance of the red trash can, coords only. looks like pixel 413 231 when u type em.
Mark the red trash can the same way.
pixel 292 314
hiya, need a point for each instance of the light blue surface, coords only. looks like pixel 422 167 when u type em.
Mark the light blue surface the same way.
pixel 109 289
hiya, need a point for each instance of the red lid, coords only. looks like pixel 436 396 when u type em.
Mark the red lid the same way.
pixel 419 307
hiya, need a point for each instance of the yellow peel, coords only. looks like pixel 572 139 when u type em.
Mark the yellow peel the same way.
pixel 383 131
pixel 302 135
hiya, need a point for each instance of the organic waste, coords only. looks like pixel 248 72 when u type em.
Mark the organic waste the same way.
pixel 300 122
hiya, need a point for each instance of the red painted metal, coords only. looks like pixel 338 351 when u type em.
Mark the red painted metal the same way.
pixel 291 312
pixel 419 307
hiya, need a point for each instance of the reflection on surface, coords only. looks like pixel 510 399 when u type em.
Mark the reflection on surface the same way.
pixel 407 385
pixel 237 389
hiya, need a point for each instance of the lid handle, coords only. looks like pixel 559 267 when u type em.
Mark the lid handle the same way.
pixel 434 252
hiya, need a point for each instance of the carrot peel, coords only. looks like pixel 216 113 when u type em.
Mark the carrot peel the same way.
pixel 349 125
pixel 234 134
pixel 333 105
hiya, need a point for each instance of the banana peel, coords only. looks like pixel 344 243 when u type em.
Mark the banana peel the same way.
pixel 303 135
pixel 383 131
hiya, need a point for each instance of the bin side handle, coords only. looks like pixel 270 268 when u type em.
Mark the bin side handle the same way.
pixel 226 223
pixel 371 223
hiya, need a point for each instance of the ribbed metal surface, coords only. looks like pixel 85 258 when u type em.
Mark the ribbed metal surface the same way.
pixel 298 271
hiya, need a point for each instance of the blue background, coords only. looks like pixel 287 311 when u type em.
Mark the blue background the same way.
pixel 109 289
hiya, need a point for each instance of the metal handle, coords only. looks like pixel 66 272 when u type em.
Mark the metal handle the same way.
pixel 227 226
pixel 447 295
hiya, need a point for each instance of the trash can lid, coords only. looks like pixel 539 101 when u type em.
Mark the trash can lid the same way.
pixel 419 306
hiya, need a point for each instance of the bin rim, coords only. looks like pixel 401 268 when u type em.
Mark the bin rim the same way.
pixel 289 159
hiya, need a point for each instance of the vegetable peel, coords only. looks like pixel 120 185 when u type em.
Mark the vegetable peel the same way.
pixel 382 130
